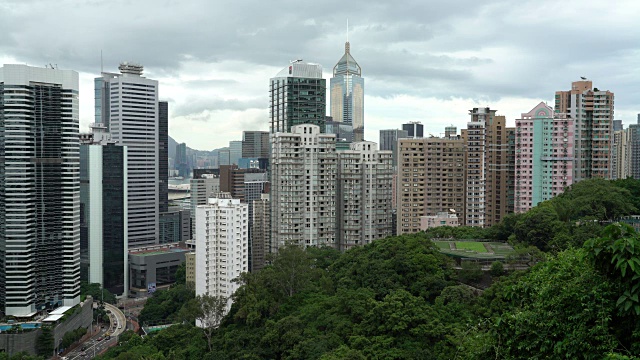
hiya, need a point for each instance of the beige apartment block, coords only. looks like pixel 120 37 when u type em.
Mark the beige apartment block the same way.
pixel 431 180
pixel 499 169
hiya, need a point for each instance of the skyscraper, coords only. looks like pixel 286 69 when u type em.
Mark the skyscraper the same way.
pixel 414 129
pixel 389 141
pixel 133 122
pixel 592 110
pixel 475 172
pixel 363 182
pixel 103 216
pixel 181 161
pixel 39 189
pixel 163 156
pixel 544 156
pixel 297 96
pixel 235 152
pixel 303 187
pixel 255 144
pixel 347 94
pixel 499 166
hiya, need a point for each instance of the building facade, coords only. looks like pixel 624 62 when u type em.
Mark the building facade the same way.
pixel 163 156
pixel 235 152
pixel 181 162
pixel 297 96
pixel 303 187
pixel 260 232
pixel 133 122
pixel 222 246
pixel 389 141
pixel 175 225
pixel 620 155
pixel 204 185
pixel 499 169
pixel 363 211
pixel 39 190
pixel 592 111
pixel 431 179
pixel 633 155
pixel 437 220
pixel 544 156
pixel 154 267
pixel 347 94
pixel 255 144
pixel 475 171
pixel 103 216
pixel 414 129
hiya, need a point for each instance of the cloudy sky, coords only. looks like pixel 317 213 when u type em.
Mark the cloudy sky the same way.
pixel 428 61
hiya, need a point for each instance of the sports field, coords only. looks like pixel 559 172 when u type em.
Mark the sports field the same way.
pixel 474 249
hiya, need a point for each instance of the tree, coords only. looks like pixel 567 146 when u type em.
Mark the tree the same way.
pixel 617 256
pixel 497 269
pixel 292 270
pixel 470 272
pixel 538 226
pixel 212 311
pixel 44 343
pixel 597 198
pixel 181 273
pixel 97 292
pixel 562 308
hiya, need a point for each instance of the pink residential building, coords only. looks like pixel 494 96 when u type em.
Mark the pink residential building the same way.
pixel 544 156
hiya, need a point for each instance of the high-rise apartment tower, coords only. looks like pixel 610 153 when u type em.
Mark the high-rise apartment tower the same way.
pixel 303 187
pixel 592 110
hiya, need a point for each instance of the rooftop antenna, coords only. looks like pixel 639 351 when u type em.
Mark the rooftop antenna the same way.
pixel 101 63
pixel 347 29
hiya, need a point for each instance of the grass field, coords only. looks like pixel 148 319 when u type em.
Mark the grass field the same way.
pixel 475 249
pixel 443 245
pixel 471 245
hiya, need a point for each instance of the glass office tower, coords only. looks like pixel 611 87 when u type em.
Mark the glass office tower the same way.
pixel 347 94
pixel 298 96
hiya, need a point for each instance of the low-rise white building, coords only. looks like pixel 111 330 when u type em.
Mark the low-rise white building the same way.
pixel 222 246
pixel 440 219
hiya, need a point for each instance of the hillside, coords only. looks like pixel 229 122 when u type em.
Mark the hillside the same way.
pixel 400 298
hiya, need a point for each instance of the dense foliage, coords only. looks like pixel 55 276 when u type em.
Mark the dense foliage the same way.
pixel 399 298
pixel 72 336
pixel 97 292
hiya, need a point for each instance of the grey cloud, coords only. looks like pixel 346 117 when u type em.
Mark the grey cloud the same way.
pixel 215 104
pixel 411 47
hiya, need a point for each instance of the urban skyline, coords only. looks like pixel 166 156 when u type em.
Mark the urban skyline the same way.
pixel 431 68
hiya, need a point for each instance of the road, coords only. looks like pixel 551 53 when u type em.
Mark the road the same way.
pixel 98 342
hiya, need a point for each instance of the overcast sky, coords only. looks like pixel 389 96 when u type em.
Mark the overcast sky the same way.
pixel 428 61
